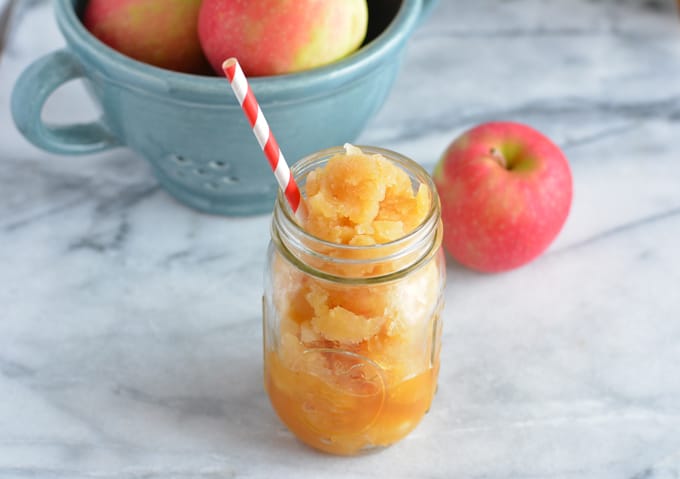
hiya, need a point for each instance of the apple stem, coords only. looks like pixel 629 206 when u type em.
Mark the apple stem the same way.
pixel 499 157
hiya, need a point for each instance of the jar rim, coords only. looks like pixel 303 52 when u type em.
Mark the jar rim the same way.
pixel 284 219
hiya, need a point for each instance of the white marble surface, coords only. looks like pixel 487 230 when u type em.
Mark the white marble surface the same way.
pixel 130 325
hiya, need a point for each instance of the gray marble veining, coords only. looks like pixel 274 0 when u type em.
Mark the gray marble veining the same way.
pixel 130 341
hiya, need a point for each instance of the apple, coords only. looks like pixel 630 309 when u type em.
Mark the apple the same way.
pixel 273 37
pixel 163 33
pixel 505 192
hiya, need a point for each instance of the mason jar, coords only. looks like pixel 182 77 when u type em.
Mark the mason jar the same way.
pixel 352 334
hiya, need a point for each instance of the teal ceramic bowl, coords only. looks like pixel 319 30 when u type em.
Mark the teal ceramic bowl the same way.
pixel 191 129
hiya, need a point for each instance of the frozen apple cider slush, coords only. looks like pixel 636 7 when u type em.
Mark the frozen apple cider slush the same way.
pixel 352 300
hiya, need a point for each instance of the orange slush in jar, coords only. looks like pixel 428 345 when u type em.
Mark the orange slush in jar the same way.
pixel 352 300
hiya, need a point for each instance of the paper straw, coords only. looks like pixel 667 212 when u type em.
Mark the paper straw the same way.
pixel 265 137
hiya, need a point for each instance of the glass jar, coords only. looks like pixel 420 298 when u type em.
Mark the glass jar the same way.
pixel 352 333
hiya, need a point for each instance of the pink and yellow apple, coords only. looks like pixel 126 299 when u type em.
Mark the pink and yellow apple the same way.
pixel 163 33
pixel 506 191
pixel 273 37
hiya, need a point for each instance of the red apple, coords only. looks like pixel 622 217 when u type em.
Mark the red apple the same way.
pixel 272 37
pixel 163 33
pixel 505 191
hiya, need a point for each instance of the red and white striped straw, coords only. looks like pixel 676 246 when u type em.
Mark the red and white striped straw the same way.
pixel 265 137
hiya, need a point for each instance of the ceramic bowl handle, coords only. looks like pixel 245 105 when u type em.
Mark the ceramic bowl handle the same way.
pixel 31 91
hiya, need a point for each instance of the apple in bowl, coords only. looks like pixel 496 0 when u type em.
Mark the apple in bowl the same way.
pixel 506 191
pixel 162 33
pixel 281 36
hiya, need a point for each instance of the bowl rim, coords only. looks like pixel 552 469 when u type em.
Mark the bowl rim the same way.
pixel 122 69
